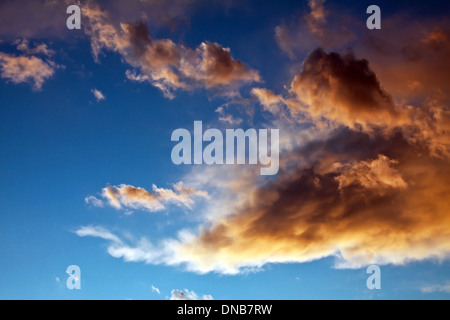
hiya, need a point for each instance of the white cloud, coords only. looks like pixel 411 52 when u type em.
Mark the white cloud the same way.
pixel 94 201
pixel 98 232
pixel 436 288
pixel 155 289
pixel 99 96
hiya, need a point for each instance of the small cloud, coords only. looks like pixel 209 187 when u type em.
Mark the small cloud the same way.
pixel 94 201
pixel 99 96
pixel 129 197
pixel 57 279
pixel 42 48
pixel 228 118
pixel 155 289
pixel 177 294
pixel 28 69
pixel 436 288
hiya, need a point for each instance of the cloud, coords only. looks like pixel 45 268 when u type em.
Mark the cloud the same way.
pixel 163 63
pixel 130 197
pixel 227 118
pixel 344 89
pixel 155 289
pixel 268 99
pixel 284 40
pixel 177 294
pixel 363 190
pixel 98 95
pixel 94 201
pixel 98 232
pixel 39 49
pixel 436 288
pixel 47 18
pixel 364 168
pixel 318 27
pixel 377 174
pixel 26 69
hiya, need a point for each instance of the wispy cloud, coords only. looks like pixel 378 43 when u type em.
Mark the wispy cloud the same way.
pixel 177 294
pixel 436 288
pixel 39 49
pixel 155 289
pixel 130 197
pixel 92 200
pixel 362 176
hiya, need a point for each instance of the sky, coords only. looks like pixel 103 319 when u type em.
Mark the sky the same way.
pixel 87 178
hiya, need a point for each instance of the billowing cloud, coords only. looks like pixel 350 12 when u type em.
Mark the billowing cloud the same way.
pixel 364 178
pixel 26 69
pixel 344 89
pixel 129 197
pixel 165 64
pixel 377 174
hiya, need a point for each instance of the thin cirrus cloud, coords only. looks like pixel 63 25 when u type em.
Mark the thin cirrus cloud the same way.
pixel 155 289
pixel 130 197
pixel 164 64
pixel 436 288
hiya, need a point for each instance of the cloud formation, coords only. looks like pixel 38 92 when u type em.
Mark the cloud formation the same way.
pixel 163 63
pixel 177 294
pixel 344 89
pixel 363 174
pixel 155 289
pixel 26 69
pixel 130 197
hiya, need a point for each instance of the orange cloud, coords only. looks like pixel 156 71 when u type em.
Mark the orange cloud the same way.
pixel 129 197
pixel 345 90
pixel 28 69
pixel 166 65
pixel 368 184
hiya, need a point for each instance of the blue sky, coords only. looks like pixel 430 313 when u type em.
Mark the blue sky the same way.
pixel 74 168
